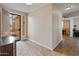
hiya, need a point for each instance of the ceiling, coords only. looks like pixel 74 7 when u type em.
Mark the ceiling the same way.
pixel 23 7
pixel 62 7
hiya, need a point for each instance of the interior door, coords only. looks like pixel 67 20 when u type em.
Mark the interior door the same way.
pixel 66 25
pixel 16 26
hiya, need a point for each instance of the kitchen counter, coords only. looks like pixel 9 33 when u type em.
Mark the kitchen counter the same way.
pixel 8 46
pixel 7 40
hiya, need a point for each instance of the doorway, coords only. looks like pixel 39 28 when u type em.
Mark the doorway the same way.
pixel 15 25
pixel 66 27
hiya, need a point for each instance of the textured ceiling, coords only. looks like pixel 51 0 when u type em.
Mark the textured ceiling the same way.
pixel 62 7
pixel 23 7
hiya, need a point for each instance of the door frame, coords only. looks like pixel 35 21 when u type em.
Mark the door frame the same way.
pixel 68 25
pixel 19 25
pixel 71 25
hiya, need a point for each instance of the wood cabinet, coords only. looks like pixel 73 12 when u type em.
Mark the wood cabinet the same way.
pixel 4 23
pixel 8 50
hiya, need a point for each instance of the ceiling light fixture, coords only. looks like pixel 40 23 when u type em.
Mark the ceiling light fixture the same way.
pixel 28 4
pixel 68 8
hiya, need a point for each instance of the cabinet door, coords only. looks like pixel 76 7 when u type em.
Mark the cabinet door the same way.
pixel 8 50
pixel 4 23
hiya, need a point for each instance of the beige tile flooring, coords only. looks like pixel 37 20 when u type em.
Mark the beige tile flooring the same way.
pixel 28 48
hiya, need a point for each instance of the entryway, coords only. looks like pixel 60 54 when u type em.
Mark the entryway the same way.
pixel 15 25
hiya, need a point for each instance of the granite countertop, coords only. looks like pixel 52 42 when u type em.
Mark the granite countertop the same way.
pixel 7 40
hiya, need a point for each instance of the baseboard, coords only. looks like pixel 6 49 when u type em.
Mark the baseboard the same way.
pixel 41 44
pixel 46 46
pixel 56 45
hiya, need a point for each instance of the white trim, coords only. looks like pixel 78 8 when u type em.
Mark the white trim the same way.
pixel 46 46
pixel 56 45
pixel 41 44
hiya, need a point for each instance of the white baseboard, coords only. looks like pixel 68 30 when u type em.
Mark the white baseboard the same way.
pixel 41 44
pixel 45 45
pixel 56 45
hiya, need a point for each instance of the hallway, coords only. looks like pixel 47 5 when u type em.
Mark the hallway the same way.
pixel 43 26
pixel 69 46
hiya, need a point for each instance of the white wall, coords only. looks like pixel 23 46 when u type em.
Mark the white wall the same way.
pixel 71 27
pixel 56 27
pixel 45 27
pixel 40 26
pixel 76 22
